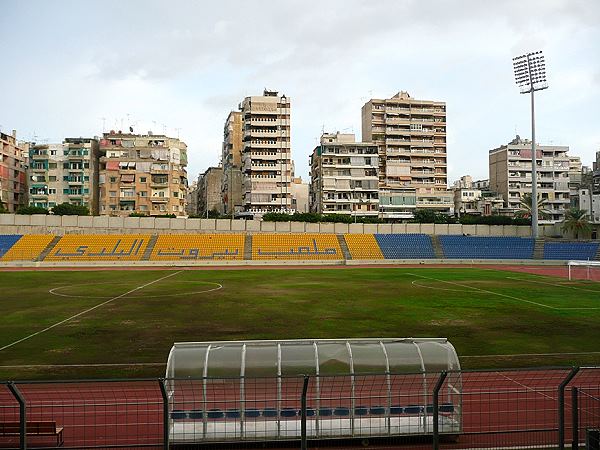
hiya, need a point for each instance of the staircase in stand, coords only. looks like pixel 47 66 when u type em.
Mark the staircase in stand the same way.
pixel 538 249
pixel 437 247
pixel 248 247
pixel 48 248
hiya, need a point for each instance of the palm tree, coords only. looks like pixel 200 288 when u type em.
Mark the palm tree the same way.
pixel 526 208
pixel 576 221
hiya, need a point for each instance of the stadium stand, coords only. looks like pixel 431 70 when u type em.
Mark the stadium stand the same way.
pixel 570 250
pixel 492 247
pixel 179 247
pixel 96 247
pixel 405 246
pixel 7 241
pixel 296 246
pixel 363 246
pixel 28 247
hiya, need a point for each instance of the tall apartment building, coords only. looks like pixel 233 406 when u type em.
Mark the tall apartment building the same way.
pixel 411 136
pixel 142 173
pixel 209 191
pixel 64 173
pixel 231 160
pixel 510 175
pixel 344 178
pixel 266 154
pixel 13 176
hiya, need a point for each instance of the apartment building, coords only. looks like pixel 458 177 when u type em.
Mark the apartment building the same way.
pixel 266 154
pixel 475 198
pixel 300 195
pixel 143 174
pixel 344 176
pixel 231 160
pixel 510 175
pixel 209 191
pixel 13 176
pixel 64 173
pixel 411 136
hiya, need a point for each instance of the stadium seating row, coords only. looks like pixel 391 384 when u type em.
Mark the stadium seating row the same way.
pixel 340 411
pixel 190 247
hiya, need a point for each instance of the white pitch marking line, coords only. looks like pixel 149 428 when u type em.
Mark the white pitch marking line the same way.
pixel 504 295
pixel 525 386
pixel 415 283
pixel 555 284
pixel 87 311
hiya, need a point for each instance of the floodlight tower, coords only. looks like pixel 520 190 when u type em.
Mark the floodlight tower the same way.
pixel 530 76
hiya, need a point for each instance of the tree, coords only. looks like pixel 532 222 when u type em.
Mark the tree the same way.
pixel 576 221
pixel 29 210
pixel 526 208
pixel 67 209
pixel 424 216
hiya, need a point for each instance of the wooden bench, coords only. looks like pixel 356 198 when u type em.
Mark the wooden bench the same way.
pixel 34 428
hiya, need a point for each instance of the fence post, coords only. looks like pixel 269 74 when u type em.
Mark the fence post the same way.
pixel 22 414
pixel 436 409
pixel 166 422
pixel 561 407
pixel 575 418
pixel 303 440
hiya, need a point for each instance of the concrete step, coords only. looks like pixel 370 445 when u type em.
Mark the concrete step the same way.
pixel 344 247
pixel 150 247
pixel 48 248
pixel 248 247
pixel 538 249
pixel 437 247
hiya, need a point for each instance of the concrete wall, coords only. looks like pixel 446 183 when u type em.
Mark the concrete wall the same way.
pixel 59 225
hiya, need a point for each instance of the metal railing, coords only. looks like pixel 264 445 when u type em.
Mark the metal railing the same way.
pixel 517 408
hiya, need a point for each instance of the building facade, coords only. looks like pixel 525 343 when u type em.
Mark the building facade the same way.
pixel 266 154
pixel 13 172
pixel 143 174
pixel 300 195
pixel 510 175
pixel 231 160
pixel 65 173
pixel 411 137
pixel 344 176
pixel 209 191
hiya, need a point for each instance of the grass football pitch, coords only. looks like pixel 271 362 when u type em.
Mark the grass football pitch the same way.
pixel 114 323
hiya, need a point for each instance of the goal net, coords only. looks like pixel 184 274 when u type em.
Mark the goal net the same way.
pixel 584 270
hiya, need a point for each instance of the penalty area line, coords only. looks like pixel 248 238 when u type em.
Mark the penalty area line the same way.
pixel 87 311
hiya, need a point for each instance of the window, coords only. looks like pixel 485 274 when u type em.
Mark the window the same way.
pixel 143 207
pixel 142 179
pixel 51 191
pixel 174 208
pixel 52 178
pixel 113 193
pixel 143 194
pixel 175 194
pixel 52 165
pixel 113 179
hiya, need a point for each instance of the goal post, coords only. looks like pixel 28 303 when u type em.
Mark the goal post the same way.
pixel 584 270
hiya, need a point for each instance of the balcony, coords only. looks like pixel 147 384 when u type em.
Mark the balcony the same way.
pixel 159 199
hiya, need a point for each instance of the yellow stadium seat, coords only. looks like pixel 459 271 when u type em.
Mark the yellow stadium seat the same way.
pixel 28 248
pixel 192 247
pixel 94 247
pixel 363 246
pixel 296 246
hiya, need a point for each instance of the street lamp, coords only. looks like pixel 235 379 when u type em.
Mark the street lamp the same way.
pixel 530 76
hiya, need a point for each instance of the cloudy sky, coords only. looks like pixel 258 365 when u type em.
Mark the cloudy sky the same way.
pixel 68 67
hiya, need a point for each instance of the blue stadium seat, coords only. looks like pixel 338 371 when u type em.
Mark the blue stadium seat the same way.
pixel 251 413
pixel 269 412
pixel 215 413
pixel 195 414
pixel 396 409
pixel 289 412
pixel 405 246
pixel 325 412
pixel 232 414
pixel 413 409
pixel 447 407
pixel 341 411
pixel 488 247
pixel 571 250
pixel 377 410
pixel 361 411
pixel 178 414
pixel 7 241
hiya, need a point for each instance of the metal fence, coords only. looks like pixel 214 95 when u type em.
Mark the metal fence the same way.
pixel 527 408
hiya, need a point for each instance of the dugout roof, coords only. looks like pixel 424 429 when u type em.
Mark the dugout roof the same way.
pixel 310 357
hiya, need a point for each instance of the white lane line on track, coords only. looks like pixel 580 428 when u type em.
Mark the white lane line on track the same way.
pixel 531 354
pixel 525 386
pixel 41 366
pixel 504 295
pixel 87 311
